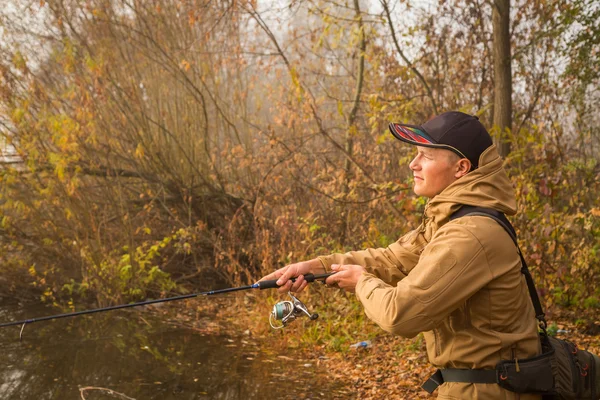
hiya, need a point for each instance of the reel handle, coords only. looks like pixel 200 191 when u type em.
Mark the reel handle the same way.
pixel 272 284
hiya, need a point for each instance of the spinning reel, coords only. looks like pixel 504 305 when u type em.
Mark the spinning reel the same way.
pixel 287 311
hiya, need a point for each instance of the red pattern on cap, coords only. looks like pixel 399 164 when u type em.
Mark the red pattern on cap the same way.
pixel 410 134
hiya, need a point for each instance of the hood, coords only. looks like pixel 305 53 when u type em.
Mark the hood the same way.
pixel 488 186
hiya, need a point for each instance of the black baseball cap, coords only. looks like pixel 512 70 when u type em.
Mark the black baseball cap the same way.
pixel 456 131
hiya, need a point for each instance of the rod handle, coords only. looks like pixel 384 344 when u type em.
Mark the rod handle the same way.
pixel 272 284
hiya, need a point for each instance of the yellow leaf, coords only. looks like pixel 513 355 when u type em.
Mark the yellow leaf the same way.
pixel 294 75
pixel 185 65
pixel 139 151
pixel 19 60
pixel 17 115
pixel 60 171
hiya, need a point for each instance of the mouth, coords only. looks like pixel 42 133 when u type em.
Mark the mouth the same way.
pixel 417 178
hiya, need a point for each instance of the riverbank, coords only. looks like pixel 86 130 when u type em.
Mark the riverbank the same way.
pixel 211 345
pixel 389 367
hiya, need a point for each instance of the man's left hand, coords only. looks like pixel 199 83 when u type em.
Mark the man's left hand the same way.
pixel 346 276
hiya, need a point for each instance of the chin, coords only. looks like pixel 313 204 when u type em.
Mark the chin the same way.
pixel 418 191
pixel 421 193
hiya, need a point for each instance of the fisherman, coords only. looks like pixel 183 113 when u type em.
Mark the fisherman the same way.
pixel 459 282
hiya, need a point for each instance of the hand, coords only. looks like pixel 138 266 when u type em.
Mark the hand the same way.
pixel 346 276
pixel 297 270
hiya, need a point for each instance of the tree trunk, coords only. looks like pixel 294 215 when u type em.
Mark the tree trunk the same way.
pixel 502 75
pixel 351 123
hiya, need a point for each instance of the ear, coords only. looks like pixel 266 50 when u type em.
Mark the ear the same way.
pixel 463 166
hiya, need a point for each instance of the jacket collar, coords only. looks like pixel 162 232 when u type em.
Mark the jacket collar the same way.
pixel 488 186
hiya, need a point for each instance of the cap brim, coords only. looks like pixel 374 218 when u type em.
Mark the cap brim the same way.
pixel 417 136
pixel 411 134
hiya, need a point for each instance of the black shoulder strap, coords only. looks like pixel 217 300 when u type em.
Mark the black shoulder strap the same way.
pixel 505 223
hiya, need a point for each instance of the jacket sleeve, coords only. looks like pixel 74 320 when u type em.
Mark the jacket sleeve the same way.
pixel 450 270
pixel 390 264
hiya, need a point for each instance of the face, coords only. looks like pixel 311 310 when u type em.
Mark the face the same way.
pixel 435 169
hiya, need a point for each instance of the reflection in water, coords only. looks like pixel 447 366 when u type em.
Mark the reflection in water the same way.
pixel 141 358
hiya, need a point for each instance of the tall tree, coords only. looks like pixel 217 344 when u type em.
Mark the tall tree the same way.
pixel 502 74
pixel 351 118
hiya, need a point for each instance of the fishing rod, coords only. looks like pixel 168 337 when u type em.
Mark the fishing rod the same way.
pixel 286 311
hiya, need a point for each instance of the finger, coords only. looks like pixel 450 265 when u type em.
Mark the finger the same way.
pixel 340 267
pixel 332 280
pixel 285 287
pixel 344 284
pixel 303 286
pixel 300 287
pixel 298 283
pixel 288 274
pixel 272 275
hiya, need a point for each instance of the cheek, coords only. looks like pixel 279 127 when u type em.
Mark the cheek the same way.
pixel 445 177
pixel 431 171
pixel 438 175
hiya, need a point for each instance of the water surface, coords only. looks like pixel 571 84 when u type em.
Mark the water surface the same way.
pixel 132 354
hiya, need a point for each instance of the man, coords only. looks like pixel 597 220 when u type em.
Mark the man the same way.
pixel 457 281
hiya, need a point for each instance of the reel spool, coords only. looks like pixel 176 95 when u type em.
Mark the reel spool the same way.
pixel 287 311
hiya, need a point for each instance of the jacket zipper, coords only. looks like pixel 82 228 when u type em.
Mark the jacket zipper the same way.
pixel 437 342
pixel 424 218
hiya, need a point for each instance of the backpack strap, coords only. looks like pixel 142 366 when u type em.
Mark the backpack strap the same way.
pixel 505 223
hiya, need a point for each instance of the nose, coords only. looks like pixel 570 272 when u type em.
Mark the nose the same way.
pixel 414 163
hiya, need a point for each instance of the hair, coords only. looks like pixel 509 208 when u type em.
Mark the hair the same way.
pixel 453 158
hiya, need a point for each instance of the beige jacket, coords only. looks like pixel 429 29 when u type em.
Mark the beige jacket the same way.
pixel 458 282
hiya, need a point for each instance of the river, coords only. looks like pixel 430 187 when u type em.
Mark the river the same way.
pixel 132 354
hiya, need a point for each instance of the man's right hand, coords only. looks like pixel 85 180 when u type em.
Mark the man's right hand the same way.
pixel 297 270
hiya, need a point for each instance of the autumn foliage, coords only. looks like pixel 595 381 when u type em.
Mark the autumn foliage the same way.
pixel 153 147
